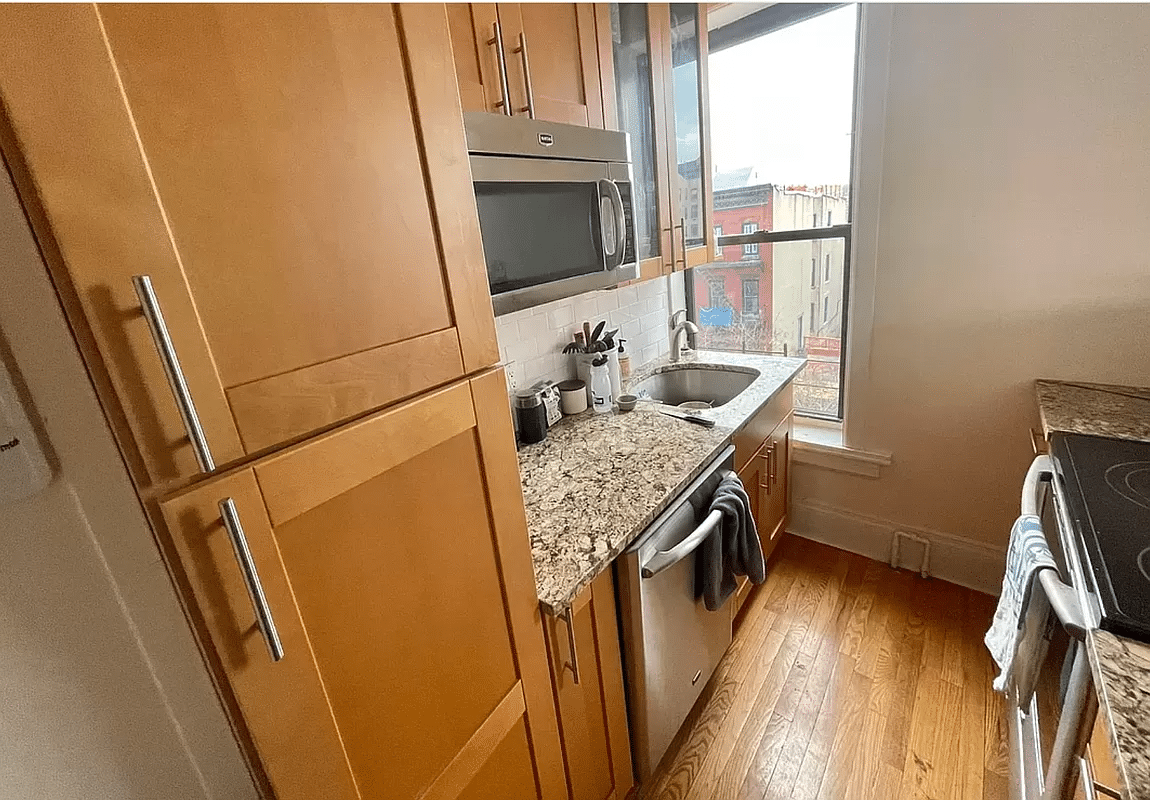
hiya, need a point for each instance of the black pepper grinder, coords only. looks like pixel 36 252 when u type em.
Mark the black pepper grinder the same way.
pixel 531 415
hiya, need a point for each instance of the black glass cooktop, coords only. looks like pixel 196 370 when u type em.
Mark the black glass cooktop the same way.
pixel 1107 483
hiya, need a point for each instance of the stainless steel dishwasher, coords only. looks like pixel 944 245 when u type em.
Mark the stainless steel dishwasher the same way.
pixel 671 642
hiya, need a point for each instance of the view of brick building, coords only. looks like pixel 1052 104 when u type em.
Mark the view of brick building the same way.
pixel 784 297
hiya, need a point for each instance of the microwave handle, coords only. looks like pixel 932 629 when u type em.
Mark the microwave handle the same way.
pixel 612 191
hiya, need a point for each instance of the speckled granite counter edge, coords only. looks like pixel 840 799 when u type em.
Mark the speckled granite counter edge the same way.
pixel 555 603
pixel 1122 680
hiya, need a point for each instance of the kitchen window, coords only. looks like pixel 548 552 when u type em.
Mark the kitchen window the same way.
pixel 750 297
pixel 798 147
pixel 753 248
pixel 716 293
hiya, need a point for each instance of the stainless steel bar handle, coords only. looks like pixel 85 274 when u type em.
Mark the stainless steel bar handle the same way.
pixel 522 50
pixel 159 328
pixel 568 617
pixel 501 62
pixel 1041 466
pixel 664 559
pixel 267 625
pixel 766 456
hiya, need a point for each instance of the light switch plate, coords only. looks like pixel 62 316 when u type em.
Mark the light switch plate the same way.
pixel 23 469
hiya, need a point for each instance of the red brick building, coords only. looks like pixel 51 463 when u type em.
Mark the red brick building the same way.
pixel 741 278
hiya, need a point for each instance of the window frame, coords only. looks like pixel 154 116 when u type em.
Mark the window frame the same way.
pixel 844 231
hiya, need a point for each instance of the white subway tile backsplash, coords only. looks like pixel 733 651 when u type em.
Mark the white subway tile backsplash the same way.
pixel 652 321
pixel 535 337
pixel 561 317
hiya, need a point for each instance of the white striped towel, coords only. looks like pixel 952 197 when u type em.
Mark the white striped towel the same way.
pixel 1027 554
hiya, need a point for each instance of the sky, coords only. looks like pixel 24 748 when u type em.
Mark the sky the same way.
pixel 783 102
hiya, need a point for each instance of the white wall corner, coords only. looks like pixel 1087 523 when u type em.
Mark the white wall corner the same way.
pixel 875 21
pixel 974 565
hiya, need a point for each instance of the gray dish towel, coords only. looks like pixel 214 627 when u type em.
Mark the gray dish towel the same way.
pixel 733 548
pixel 1026 556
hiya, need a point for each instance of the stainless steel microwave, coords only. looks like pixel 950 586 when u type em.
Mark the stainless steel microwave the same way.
pixel 555 208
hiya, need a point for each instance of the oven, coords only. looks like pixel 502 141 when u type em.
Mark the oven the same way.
pixel 555 208
pixel 1052 703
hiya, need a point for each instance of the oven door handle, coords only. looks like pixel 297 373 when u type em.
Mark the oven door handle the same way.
pixel 1063 599
pixel 1041 468
pixel 608 188
pixel 665 559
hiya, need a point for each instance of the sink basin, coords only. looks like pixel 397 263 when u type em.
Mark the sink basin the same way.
pixel 677 385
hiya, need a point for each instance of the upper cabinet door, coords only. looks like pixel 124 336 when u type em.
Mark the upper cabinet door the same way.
pixel 292 179
pixel 637 81
pixel 687 115
pixel 539 60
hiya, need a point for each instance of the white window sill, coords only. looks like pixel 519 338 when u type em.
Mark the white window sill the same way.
pixel 819 443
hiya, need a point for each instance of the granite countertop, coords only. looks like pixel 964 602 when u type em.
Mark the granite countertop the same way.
pixel 1120 412
pixel 598 480
pixel 1121 670
pixel 1121 666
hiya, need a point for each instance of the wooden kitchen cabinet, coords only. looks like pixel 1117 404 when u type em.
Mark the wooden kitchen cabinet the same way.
pixel 546 54
pixel 294 181
pixel 592 711
pixel 402 592
pixel 766 475
pixel 655 89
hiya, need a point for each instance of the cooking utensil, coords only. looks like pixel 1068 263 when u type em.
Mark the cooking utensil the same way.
pixel 609 338
pixel 587 331
pixel 689 416
pixel 598 330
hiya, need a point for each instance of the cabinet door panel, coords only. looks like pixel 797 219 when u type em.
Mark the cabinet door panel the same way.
pixel 592 712
pixel 283 703
pixel 411 590
pixel 564 60
pixel 294 179
pixel 361 584
pixel 476 61
pixel 274 148
pixel 775 510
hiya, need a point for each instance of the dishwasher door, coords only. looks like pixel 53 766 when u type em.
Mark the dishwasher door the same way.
pixel 671 643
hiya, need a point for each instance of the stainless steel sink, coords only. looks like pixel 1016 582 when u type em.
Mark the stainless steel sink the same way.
pixel 677 385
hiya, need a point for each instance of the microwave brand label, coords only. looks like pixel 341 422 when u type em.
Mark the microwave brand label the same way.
pixel 546 139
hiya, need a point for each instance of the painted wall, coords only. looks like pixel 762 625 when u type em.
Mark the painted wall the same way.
pixel 1005 210
pixel 103 690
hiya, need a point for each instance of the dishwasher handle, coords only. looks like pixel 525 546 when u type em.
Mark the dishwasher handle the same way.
pixel 665 559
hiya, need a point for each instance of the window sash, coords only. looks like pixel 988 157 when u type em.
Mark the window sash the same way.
pixel 806 234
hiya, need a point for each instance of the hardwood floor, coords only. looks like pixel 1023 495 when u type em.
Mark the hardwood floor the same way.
pixel 847 679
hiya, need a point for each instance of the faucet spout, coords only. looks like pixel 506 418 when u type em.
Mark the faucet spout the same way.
pixel 686 326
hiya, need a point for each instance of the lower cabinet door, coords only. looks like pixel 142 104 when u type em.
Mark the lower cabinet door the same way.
pixel 394 646
pixel 587 673
pixel 777 491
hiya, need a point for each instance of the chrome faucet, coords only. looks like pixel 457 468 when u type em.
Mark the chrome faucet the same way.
pixel 679 328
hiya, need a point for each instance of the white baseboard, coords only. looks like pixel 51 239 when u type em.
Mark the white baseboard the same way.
pixel 967 563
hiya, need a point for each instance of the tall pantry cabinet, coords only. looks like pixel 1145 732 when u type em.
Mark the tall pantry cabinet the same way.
pixel 261 222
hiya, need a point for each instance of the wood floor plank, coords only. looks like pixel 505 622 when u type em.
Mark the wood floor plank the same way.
pixel 847 679
pixel 726 768
pixel 844 749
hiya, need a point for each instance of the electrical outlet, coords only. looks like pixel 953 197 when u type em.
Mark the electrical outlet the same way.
pixel 512 370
